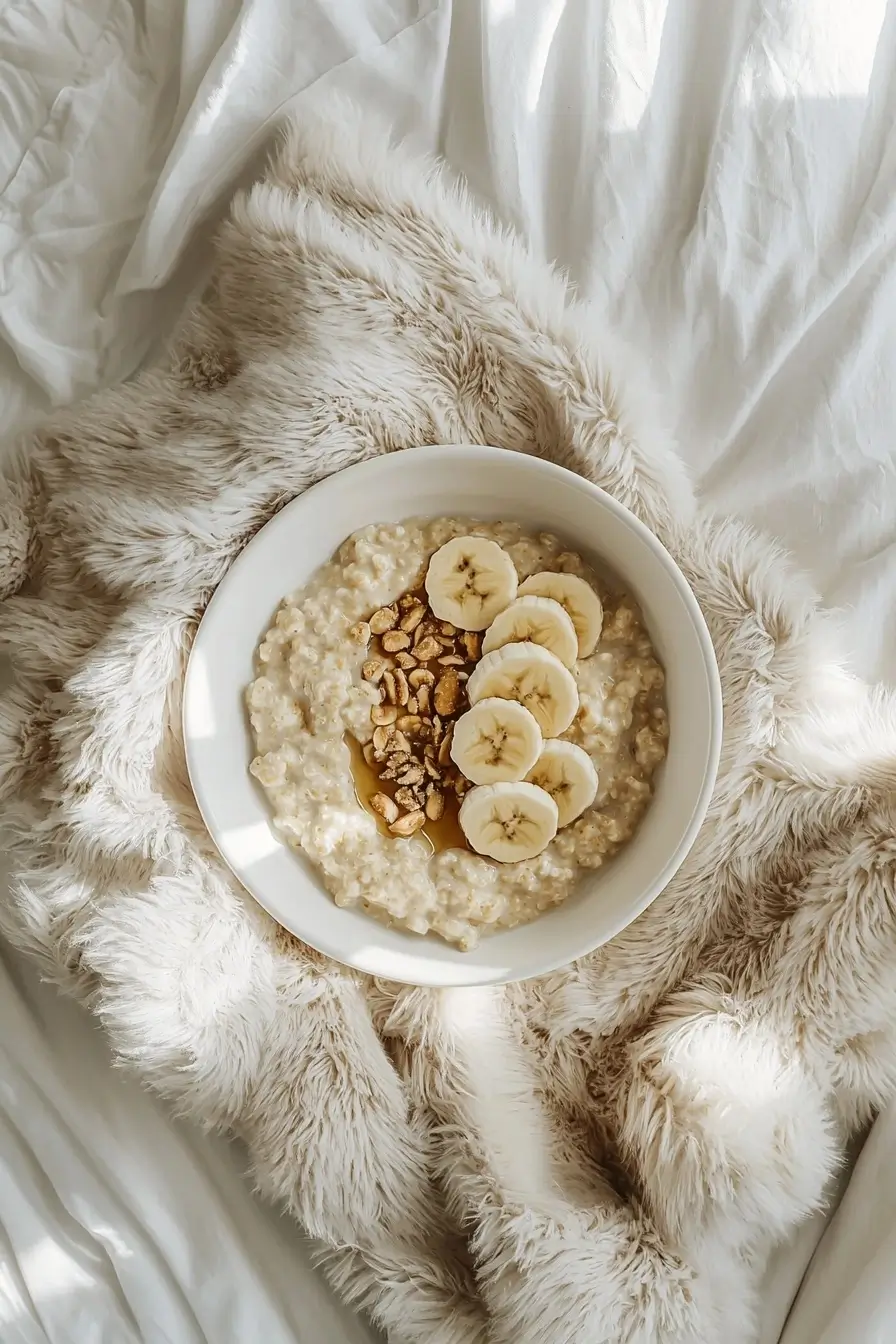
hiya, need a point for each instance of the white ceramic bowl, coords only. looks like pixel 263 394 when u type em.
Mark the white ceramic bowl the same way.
pixel 475 482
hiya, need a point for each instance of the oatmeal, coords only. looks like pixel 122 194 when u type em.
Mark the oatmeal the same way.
pixel 378 813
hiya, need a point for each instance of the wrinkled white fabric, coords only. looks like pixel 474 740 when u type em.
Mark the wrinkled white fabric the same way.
pixel 848 1292
pixel 721 176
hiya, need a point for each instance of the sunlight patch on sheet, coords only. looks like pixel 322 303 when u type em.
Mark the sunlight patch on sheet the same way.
pixel 541 50
pixel 218 95
pixel 827 49
pixel 50 1272
pixel 496 11
pixel 634 42
pixel 12 1305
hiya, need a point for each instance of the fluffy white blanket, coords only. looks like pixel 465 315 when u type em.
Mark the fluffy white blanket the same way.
pixel 605 1154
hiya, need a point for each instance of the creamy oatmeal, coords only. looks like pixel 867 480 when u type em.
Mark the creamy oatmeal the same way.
pixel 310 708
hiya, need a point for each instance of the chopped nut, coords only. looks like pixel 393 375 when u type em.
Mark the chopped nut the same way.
pixel 427 649
pixel 421 676
pixel 422 698
pixel 408 798
pixel 384 619
pixel 437 728
pixel 396 758
pixel 406 661
pixel 451 660
pixel 445 642
pixel 382 803
pixel 390 688
pixel 461 785
pixel 401 686
pixel 410 723
pixel 472 642
pixel 381 739
pixel 447 628
pixel 412 619
pixel 447 693
pixel 412 776
pixel 360 633
pixel 373 669
pixel 381 714
pixel 424 732
pixel 431 768
pixel 408 601
pixel 445 747
pixel 429 752
pixel 408 825
pixel 395 765
pixel 413 705
pixel 393 640
pixel 435 804
pixel 367 751
pixel 399 742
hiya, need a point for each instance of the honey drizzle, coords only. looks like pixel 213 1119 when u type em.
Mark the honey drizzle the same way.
pixel 439 835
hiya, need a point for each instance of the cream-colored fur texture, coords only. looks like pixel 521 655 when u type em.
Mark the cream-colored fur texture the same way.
pixel 602 1156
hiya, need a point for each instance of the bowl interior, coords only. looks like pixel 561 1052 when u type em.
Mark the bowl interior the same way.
pixel 488 484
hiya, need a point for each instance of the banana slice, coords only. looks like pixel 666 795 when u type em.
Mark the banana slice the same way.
pixel 508 822
pixel 539 619
pixel 532 676
pixel 567 773
pixel 577 597
pixel 470 580
pixel 496 740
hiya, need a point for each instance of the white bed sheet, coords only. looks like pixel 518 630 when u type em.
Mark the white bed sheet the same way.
pixel 721 178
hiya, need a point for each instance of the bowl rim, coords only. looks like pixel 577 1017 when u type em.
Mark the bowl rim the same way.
pixel 355 476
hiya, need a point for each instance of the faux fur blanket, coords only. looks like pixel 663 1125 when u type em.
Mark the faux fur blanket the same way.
pixel 603 1155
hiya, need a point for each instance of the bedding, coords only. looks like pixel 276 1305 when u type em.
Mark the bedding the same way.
pixel 119 1225
pixel 721 178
